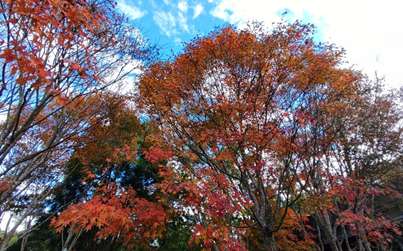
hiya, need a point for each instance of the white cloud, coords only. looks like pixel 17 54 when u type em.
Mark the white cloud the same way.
pixel 183 22
pixel 172 19
pixel 131 11
pixel 183 6
pixel 197 10
pixel 367 29
pixel 122 83
pixel 236 11
pixel 166 22
pixel 178 41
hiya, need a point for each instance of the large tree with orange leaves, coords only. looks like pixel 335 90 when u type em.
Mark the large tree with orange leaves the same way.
pixel 55 56
pixel 243 110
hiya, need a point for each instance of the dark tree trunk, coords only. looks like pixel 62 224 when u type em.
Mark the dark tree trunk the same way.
pixel 268 240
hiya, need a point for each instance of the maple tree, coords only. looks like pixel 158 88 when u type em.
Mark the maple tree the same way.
pixel 120 162
pixel 90 167
pixel 359 172
pixel 115 214
pixel 55 56
pixel 242 110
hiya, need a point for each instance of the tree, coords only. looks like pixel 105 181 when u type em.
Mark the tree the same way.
pixel 242 110
pixel 359 171
pixel 121 161
pixel 119 209
pixel 55 56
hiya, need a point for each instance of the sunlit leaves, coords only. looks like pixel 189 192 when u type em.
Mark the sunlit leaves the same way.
pixel 244 110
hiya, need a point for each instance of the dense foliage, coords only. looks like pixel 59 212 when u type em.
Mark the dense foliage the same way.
pixel 250 139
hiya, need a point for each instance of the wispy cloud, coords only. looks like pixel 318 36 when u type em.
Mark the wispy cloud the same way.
pixel 183 22
pixel 178 41
pixel 130 10
pixel 171 18
pixel 166 22
pixel 366 29
pixel 240 11
pixel 197 10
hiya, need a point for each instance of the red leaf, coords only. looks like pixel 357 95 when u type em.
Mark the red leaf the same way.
pixel 75 66
pixel 8 55
pixel 44 73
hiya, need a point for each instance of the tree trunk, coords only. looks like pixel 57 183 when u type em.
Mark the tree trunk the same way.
pixel 25 239
pixel 343 228
pixel 366 245
pixel 323 220
pixel 268 240
pixel 72 239
pixel 333 244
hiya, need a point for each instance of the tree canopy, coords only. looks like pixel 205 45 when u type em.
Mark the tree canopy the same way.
pixel 250 139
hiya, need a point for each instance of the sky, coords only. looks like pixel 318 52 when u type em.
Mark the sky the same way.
pixel 370 31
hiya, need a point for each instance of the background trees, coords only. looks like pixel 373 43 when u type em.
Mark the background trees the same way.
pixel 56 58
pixel 356 186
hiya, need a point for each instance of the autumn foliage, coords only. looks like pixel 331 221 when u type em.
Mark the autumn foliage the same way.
pixel 250 139
pixel 254 118
pixel 52 55
pixel 115 211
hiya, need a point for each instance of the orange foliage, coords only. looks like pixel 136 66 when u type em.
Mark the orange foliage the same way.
pixel 116 211
pixel 243 110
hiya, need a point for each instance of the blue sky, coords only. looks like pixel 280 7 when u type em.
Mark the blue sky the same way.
pixel 370 31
